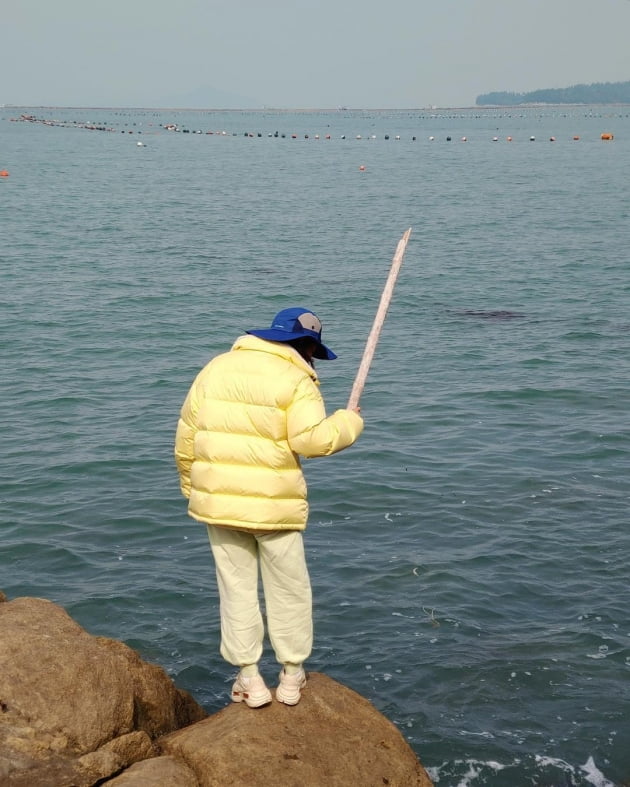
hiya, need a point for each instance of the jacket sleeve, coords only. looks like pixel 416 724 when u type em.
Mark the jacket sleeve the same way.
pixel 310 432
pixel 184 440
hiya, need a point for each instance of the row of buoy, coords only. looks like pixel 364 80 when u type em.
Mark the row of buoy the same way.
pixel 63 123
pixel 576 138
pixel 606 136
pixel 276 134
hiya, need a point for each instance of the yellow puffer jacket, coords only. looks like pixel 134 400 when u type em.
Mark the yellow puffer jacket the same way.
pixel 247 416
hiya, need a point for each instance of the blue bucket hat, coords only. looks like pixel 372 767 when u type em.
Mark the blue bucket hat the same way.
pixel 296 323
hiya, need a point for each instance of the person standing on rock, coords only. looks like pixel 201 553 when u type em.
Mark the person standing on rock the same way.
pixel 248 417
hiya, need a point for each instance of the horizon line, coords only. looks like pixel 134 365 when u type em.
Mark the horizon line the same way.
pixel 431 108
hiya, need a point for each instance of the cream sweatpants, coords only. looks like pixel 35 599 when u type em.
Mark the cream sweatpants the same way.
pixel 286 587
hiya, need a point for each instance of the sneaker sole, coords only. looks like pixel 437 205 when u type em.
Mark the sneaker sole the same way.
pixel 290 698
pixel 251 702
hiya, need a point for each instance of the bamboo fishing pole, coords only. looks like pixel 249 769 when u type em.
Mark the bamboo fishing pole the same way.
pixel 370 346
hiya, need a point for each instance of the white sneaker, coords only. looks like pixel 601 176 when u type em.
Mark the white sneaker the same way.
pixel 288 690
pixel 252 691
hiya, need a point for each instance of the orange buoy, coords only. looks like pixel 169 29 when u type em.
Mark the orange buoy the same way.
pixel 509 139
pixel 362 168
pixel 576 137
pixel 4 173
pixel 607 135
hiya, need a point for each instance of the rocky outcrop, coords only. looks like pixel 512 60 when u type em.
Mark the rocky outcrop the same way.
pixel 74 708
pixel 334 737
pixel 78 710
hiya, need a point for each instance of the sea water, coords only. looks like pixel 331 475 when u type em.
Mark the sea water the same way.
pixel 469 555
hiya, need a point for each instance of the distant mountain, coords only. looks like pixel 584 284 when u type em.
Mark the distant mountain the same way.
pixel 208 97
pixel 596 93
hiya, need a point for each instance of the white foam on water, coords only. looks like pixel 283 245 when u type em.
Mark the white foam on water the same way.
pixel 478 768
pixel 554 762
pixel 602 652
pixel 475 769
pixel 388 515
pixel 484 734
pixel 594 775
pixel 472 773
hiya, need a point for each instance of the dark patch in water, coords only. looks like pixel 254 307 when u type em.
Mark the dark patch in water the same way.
pixel 502 314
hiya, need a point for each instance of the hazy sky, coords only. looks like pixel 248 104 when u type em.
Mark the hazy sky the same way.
pixel 304 53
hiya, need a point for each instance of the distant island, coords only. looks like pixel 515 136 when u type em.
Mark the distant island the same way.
pixel 596 93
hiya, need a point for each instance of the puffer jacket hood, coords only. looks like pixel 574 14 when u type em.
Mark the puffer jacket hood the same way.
pixel 281 349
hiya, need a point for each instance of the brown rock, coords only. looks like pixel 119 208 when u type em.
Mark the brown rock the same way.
pixel 54 772
pixel 159 707
pixel 58 685
pixel 98 765
pixel 75 708
pixel 131 748
pixel 80 711
pixel 116 755
pixel 158 772
pixel 333 737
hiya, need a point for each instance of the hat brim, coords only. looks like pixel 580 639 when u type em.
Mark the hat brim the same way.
pixel 276 335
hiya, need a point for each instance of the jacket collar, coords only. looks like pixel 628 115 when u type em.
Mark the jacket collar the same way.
pixel 281 349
